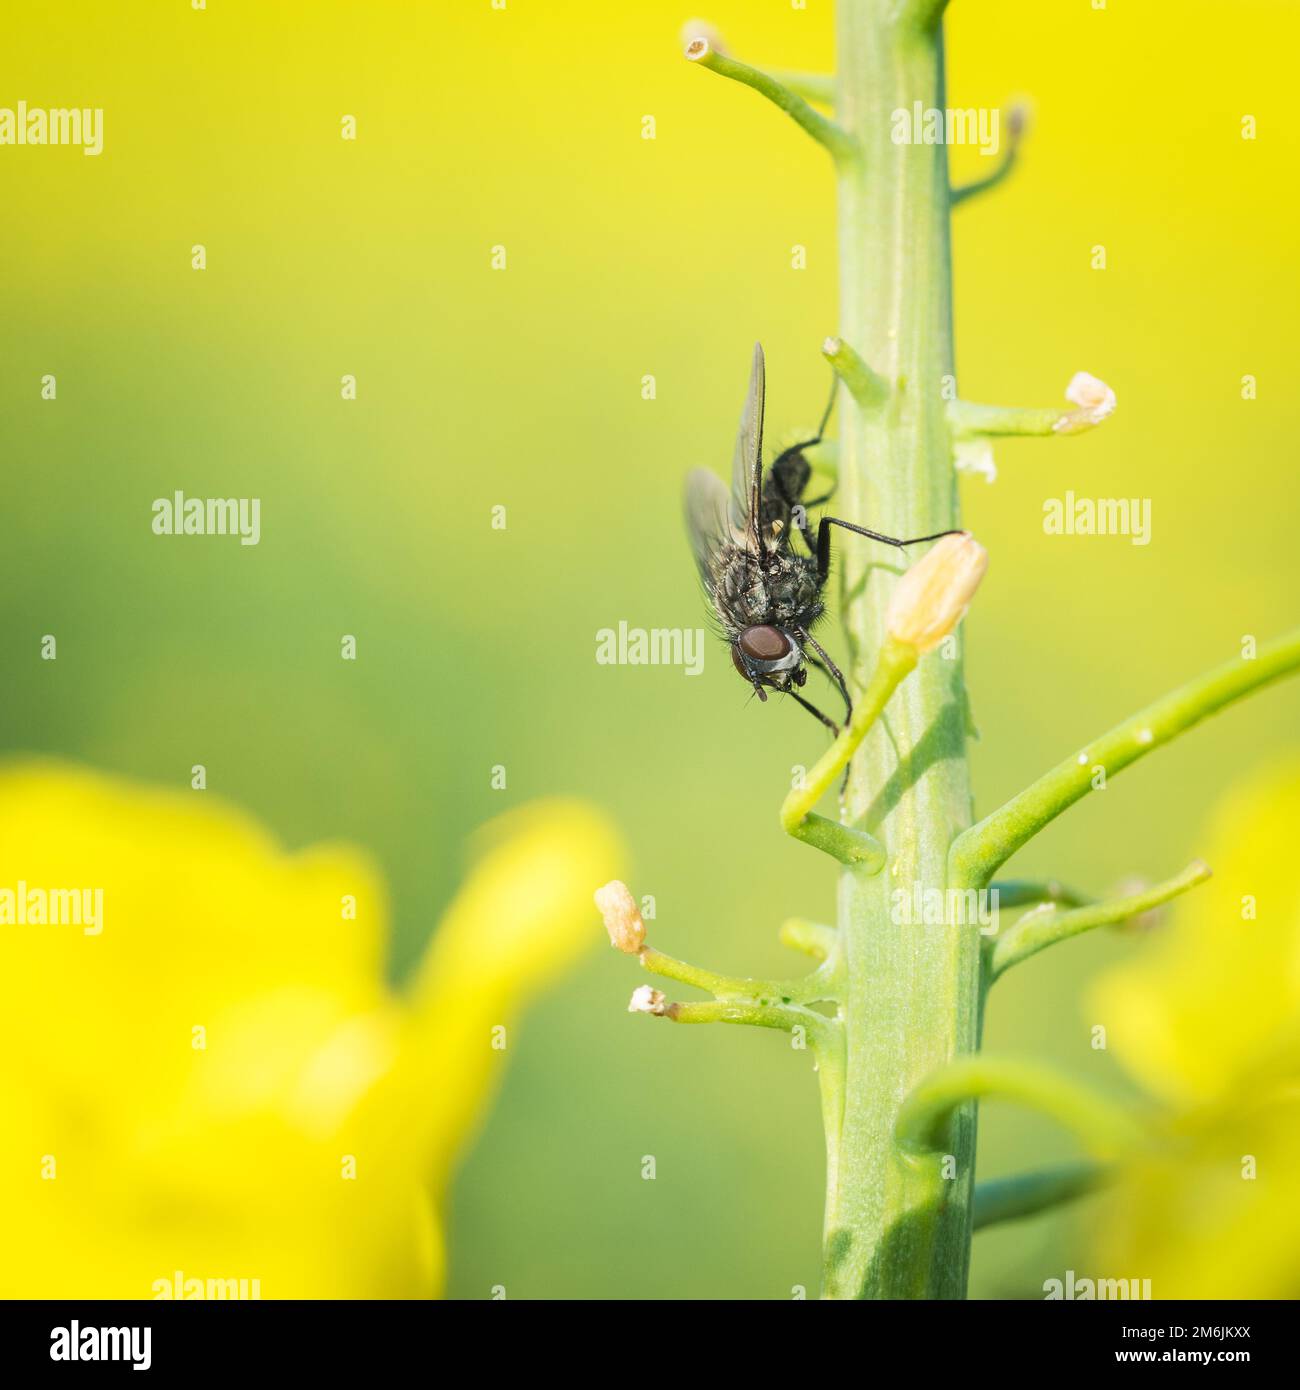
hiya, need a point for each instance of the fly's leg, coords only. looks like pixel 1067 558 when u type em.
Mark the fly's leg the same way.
pixel 823 659
pixel 815 712
pixel 787 477
pixel 831 669
pixel 777 471
pixel 821 428
pixel 824 541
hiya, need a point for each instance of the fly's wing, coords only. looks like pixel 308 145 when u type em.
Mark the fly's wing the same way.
pixel 747 466
pixel 708 521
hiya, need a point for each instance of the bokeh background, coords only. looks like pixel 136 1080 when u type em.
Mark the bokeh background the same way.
pixel 522 388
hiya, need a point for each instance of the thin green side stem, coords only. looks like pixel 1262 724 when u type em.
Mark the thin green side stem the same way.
pixel 783 1017
pixel 812 86
pixel 897 661
pixel 809 989
pixel 980 851
pixel 1028 1194
pixel 855 849
pixel 812 938
pixel 925 1126
pixel 1047 925
pixel 971 420
pixel 1024 892
pixel 867 389
pixel 840 146
pixel 1014 122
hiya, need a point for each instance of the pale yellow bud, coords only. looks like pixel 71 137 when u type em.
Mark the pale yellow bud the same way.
pixel 648 1000
pixel 622 920
pixel 932 597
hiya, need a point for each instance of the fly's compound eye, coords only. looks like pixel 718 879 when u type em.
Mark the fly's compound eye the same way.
pixel 764 643
pixel 763 649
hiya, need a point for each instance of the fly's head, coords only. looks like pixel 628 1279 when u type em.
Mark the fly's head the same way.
pixel 769 656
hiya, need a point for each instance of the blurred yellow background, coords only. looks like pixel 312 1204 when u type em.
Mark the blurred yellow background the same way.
pixel 522 387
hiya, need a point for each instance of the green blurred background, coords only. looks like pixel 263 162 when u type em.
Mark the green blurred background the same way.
pixel 522 387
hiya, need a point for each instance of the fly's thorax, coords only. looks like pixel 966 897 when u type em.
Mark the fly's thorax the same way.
pixel 777 588
pixel 793 590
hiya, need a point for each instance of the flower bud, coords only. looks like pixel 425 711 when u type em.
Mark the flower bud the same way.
pixel 648 1000
pixel 932 597
pixel 622 920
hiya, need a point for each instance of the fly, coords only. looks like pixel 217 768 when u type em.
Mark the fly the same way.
pixel 766 594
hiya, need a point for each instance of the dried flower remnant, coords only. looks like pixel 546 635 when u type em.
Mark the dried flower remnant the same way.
pixel 701 29
pixel 648 1000
pixel 972 422
pixel 975 456
pixel 622 918
pixel 1096 401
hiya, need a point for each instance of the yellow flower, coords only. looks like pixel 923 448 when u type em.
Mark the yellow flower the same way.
pixel 1207 1018
pixel 218 1084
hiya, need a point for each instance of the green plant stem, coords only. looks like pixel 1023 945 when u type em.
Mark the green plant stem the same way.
pixel 978 852
pixel 972 421
pixel 896 662
pixel 966 191
pixel 913 992
pixel 812 938
pixel 809 989
pixel 736 1011
pixel 866 388
pixel 1047 925
pixel 840 146
pixel 855 849
pixel 1027 1194
pixel 1025 892
pixel 812 86
pixel 1014 124
pixel 921 16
